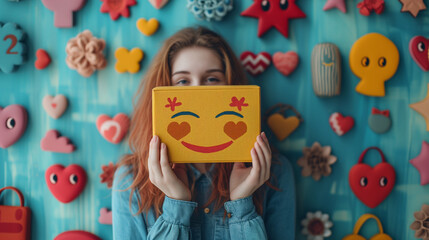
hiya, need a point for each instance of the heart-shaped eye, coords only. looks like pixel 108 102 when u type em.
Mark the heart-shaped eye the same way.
pixel 177 130
pixel 235 130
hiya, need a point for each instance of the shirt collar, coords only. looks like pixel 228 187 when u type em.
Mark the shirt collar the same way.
pixel 197 174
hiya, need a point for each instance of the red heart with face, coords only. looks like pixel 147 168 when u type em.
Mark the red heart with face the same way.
pixel 113 130
pixel 255 64
pixel 418 48
pixel 372 185
pixel 65 184
pixel 340 124
pixel 42 59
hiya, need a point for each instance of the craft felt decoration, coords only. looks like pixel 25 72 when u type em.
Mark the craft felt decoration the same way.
pixel 13 123
pixel 420 223
pixel 317 225
pixel 54 142
pixel 281 125
pixel 421 163
pixel 65 183
pixel 210 9
pixel 316 161
pixel 105 216
pixel 108 174
pixel 146 27
pixel 42 59
pixel 418 48
pixel 113 130
pixel 340 4
pixel 367 6
pixel 326 70
pixel 76 234
pixel 63 11
pixel 286 63
pixel 128 61
pixel 255 64
pixel 379 121
pixel 340 124
pixel 412 6
pixel 117 8
pixel 15 221
pixel 422 108
pixel 274 14
pixel 374 59
pixel 372 185
pixel 365 217
pixel 55 106
pixel 12 47
pixel 158 4
pixel 207 123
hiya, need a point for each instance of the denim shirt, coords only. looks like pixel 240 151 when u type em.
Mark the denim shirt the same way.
pixel 192 220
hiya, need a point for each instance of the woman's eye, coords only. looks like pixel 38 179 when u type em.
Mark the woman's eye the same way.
pixel 182 82
pixel 212 79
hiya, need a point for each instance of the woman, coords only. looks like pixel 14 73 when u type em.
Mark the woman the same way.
pixel 154 200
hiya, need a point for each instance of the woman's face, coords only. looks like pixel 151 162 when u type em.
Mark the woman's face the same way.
pixel 195 66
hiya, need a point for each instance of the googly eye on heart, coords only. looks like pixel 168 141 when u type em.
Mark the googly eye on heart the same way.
pixel 13 123
pixel 65 183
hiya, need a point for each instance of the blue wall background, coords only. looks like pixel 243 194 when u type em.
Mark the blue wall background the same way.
pixel 23 164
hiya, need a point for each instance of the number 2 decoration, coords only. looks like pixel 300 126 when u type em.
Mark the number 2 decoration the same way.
pixel 12 49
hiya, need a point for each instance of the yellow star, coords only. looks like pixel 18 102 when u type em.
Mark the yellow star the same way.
pixel 422 107
pixel 128 60
pixel 412 6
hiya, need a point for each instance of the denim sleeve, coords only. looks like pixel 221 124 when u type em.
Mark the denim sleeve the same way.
pixel 126 225
pixel 174 223
pixel 175 220
pixel 244 222
pixel 280 206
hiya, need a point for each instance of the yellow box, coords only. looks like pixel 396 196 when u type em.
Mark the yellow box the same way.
pixel 203 124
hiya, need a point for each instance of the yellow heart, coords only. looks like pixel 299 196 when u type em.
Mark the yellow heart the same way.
pixel 281 126
pixel 147 27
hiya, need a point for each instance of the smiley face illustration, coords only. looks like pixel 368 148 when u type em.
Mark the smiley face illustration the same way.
pixel 374 59
pixel 207 123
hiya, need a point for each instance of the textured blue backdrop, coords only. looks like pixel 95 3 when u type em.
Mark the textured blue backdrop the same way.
pixel 23 164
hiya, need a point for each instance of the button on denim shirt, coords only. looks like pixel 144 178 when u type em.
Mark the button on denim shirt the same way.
pixel 194 220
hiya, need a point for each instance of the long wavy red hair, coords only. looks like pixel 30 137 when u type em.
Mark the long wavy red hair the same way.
pixel 159 74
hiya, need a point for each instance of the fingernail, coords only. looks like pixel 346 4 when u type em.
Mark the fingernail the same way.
pixel 156 138
pixel 163 145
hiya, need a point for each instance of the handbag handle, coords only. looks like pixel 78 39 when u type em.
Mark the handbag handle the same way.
pixel 383 159
pixel 365 218
pixel 21 197
pixel 281 109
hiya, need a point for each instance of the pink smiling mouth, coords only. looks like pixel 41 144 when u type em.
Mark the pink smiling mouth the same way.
pixel 210 149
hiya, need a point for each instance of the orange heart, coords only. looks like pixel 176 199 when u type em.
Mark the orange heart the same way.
pixel 281 126
pixel 177 130
pixel 235 130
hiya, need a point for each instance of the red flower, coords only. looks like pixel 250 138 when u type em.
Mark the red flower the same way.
pixel 238 104
pixel 173 104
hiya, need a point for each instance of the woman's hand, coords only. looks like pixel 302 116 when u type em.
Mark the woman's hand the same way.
pixel 173 182
pixel 245 181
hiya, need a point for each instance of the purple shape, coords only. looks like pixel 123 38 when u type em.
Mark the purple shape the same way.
pixel 13 122
pixel 52 142
pixel 63 11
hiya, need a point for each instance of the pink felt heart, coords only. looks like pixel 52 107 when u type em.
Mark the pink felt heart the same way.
pixel 42 59
pixel 13 122
pixel 286 63
pixel 255 64
pixel 105 216
pixel 53 142
pixel 113 130
pixel 55 106
pixel 158 4
pixel 340 124
pixel 65 184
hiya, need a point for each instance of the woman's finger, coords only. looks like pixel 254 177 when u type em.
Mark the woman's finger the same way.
pixel 262 162
pixel 256 166
pixel 265 148
pixel 264 137
pixel 167 172
pixel 153 161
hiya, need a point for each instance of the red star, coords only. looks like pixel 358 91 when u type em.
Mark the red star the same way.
pixel 238 104
pixel 117 7
pixel 274 13
pixel 173 104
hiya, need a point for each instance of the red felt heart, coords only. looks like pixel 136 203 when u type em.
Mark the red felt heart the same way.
pixel 255 64
pixel 286 63
pixel 340 124
pixel 372 185
pixel 113 130
pixel 418 48
pixel 65 184
pixel 42 59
